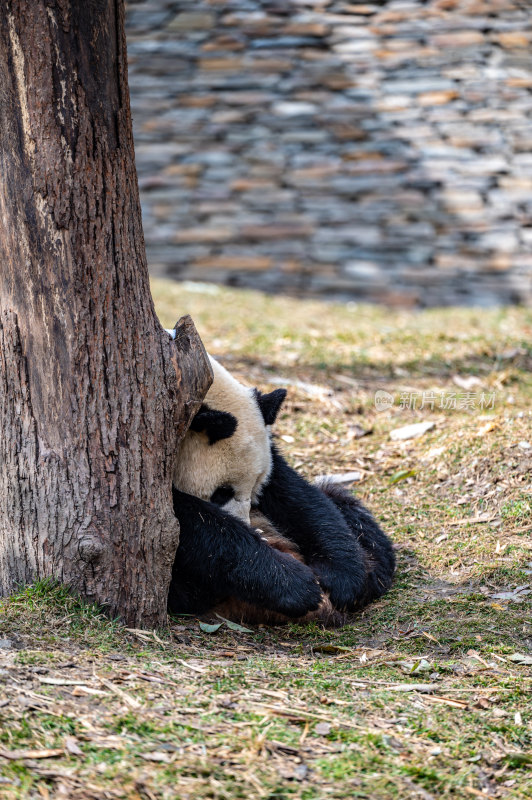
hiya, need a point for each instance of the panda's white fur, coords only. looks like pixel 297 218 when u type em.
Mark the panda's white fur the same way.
pixel 242 461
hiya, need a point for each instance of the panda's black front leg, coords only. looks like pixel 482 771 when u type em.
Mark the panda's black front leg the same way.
pixel 308 517
pixel 377 547
pixel 219 557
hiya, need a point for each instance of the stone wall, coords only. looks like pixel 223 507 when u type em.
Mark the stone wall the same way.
pixel 377 151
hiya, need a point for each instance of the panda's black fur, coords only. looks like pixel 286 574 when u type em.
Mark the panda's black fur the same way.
pixel 337 536
pixel 219 556
pixel 345 552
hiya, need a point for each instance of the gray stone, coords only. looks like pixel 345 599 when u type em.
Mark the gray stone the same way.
pixel 355 146
pixel 499 241
pixel 356 46
pixel 305 137
pixel 294 109
pixel 418 86
pixel 362 269
pixel 192 21
pixel 526 236
pixel 145 19
pixel 281 42
pixel 352 234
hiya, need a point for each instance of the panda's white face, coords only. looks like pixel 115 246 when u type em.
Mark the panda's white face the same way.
pixel 225 456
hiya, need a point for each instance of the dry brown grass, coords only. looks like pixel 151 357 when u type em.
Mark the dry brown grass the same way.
pixel 425 695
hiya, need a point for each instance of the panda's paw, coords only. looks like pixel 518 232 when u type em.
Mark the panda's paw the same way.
pixel 345 584
pixel 295 591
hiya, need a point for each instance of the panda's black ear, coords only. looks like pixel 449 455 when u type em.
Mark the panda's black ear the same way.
pixel 270 404
pixel 216 424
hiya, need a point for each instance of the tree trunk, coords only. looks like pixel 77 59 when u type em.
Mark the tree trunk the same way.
pixel 94 395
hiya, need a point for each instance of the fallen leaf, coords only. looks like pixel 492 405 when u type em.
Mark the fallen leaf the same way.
pixel 158 639
pixel 480 520
pixel 156 755
pixel 414 667
pixel 519 658
pixel 402 475
pixel 342 477
pixel 300 772
pixel 422 665
pixel 499 713
pixel 434 452
pixel 518 759
pixel 411 431
pixel 513 352
pixel 516 595
pixel 124 696
pixel 16 755
pixel 322 728
pixel 413 687
pixel 488 427
pixel 72 746
pixel 210 628
pixel 193 667
pixel 447 701
pixel 331 648
pixel 146 636
pixel 83 691
pixel 293 772
pixel 466 382
pixel 358 431
pixel 234 626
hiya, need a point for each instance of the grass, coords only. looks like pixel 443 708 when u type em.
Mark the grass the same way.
pixel 426 694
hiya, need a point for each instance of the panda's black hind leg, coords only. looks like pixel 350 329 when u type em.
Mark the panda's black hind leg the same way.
pixel 377 547
pixel 220 557
pixel 308 517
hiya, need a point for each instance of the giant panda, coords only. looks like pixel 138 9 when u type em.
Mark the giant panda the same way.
pixel 334 553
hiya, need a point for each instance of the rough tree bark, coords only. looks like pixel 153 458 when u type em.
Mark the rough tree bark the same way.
pixel 94 396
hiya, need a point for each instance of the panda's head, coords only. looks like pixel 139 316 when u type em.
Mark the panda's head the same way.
pixel 225 456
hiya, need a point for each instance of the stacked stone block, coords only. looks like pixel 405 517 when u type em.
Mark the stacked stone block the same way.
pixel 380 152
